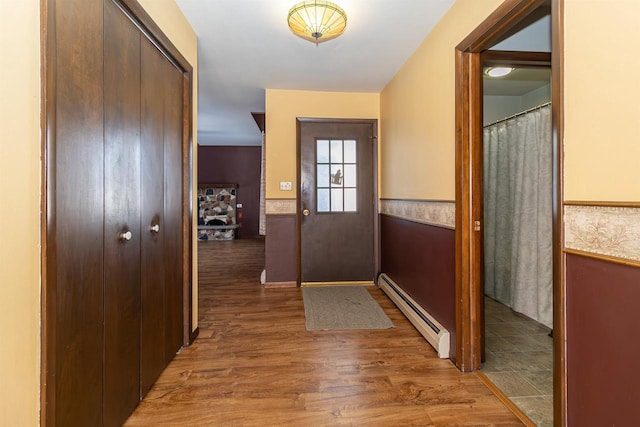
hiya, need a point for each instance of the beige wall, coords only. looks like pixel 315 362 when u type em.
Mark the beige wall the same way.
pixel 20 197
pixel 418 111
pixel 283 107
pixel 170 19
pixel 602 100
pixel 19 213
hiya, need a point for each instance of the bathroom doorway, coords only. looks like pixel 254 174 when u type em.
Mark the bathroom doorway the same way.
pixel 517 234
pixel 509 18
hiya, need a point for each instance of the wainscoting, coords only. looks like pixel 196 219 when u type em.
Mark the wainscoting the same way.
pixel 419 258
pixel 603 315
pixel 602 249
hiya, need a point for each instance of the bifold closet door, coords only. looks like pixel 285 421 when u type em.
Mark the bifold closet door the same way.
pixel 173 116
pixel 153 266
pixel 161 213
pixel 114 185
pixel 75 202
pixel 122 230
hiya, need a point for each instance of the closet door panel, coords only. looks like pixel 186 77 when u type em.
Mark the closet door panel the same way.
pixel 75 206
pixel 122 233
pixel 153 269
pixel 173 208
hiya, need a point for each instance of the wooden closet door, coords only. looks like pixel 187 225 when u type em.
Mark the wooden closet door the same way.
pixel 153 267
pixel 173 183
pixel 122 231
pixel 75 200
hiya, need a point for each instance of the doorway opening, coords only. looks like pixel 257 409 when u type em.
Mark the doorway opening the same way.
pixel 471 55
pixel 517 233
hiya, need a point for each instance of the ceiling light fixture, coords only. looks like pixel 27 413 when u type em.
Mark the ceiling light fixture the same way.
pixel 498 71
pixel 317 20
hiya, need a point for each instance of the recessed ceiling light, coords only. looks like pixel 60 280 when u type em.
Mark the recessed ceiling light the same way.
pixel 498 71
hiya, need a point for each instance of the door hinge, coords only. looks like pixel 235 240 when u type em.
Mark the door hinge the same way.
pixel 476 225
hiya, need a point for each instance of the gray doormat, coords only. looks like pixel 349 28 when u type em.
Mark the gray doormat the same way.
pixel 342 307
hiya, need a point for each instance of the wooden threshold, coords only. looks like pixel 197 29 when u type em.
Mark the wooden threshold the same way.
pixel 504 399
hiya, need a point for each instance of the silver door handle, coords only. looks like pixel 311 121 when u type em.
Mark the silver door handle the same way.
pixel 125 235
pixel 155 228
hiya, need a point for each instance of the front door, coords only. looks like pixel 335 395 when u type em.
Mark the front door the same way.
pixel 337 201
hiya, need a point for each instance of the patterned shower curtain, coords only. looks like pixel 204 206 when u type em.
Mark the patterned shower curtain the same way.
pixel 518 214
pixel 262 223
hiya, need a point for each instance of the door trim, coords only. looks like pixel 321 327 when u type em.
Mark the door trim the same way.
pixel 468 187
pixel 376 220
pixel 151 30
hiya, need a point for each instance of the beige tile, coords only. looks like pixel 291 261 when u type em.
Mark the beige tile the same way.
pixel 512 384
pixel 535 327
pixel 526 343
pixel 544 339
pixel 504 329
pixel 529 361
pixel 538 409
pixel 541 380
pixel 498 344
pixel 492 318
pixel 489 333
pixel 496 362
pixel 519 360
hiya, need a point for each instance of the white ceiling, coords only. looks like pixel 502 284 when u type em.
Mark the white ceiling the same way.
pixel 520 82
pixel 245 46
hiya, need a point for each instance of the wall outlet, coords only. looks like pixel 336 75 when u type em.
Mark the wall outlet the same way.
pixel 286 186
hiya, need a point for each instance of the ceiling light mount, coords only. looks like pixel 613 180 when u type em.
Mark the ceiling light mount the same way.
pixel 317 20
pixel 498 71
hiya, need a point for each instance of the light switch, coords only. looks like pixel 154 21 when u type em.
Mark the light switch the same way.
pixel 239 205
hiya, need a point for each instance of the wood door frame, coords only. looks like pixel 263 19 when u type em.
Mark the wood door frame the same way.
pixel 468 187
pixel 376 220
pixel 150 29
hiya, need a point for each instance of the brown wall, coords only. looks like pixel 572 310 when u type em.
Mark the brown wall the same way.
pixel 281 249
pixel 420 259
pixel 603 319
pixel 235 165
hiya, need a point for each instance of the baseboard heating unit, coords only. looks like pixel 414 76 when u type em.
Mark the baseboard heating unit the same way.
pixel 429 327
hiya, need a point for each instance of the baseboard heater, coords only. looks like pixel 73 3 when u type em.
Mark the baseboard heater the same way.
pixel 429 327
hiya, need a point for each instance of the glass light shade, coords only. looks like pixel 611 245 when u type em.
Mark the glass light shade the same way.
pixel 498 71
pixel 317 20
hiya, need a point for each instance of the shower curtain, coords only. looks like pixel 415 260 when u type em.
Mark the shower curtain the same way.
pixel 262 219
pixel 518 214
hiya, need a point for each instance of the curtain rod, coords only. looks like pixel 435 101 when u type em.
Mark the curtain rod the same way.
pixel 518 114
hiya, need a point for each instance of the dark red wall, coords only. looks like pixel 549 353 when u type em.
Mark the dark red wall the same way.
pixel 235 165
pixel 281 249
pixel 420 258
pixel 603 342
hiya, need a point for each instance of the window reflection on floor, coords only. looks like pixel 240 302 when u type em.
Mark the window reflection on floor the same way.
pixel 519 360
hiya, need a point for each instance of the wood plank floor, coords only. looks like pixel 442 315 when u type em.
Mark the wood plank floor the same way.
pixel 255 364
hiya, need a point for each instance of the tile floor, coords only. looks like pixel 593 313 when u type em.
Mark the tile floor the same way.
pixel 519 360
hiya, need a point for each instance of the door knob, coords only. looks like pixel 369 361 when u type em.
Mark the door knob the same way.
pixel 125 235
pixel 306 212
pixel 155 228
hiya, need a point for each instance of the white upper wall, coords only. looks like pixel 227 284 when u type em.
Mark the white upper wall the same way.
pixel 496 108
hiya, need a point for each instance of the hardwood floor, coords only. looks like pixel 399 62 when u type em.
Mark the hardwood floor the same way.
pixel 255 364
